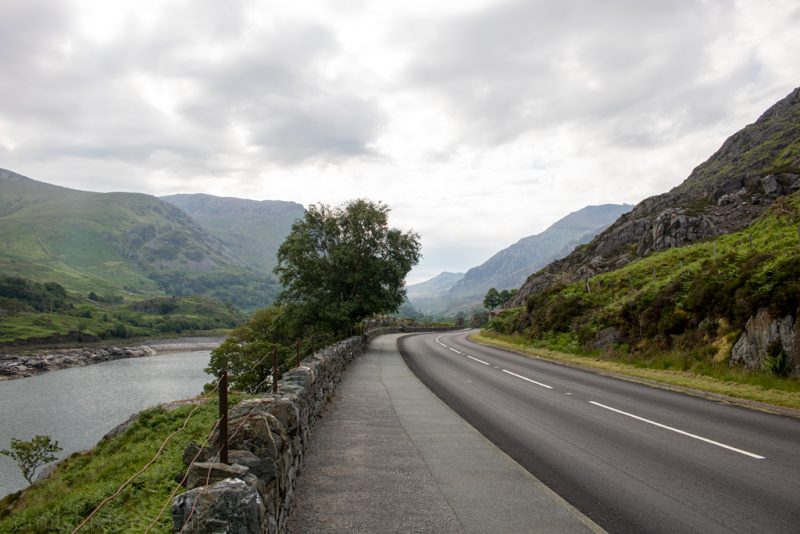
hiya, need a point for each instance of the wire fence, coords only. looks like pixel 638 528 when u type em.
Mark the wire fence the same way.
pixel 303 349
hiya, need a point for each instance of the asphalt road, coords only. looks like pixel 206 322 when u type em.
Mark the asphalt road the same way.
pixel 631 457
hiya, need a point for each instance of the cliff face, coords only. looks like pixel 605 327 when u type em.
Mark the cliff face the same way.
pixel 724 194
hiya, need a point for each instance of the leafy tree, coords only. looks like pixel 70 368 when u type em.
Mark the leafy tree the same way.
pixel 492 299
pixel 460 319
pixel 506 295
pixel 341 265
pixel 247 352
pixel 30 455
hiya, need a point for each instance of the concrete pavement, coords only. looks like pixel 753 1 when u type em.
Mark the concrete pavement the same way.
pixel 389 456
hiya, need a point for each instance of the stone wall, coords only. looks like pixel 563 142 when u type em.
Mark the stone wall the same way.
pixel 267 441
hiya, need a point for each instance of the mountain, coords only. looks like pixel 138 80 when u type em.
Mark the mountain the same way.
pixel 734 187
pixel 436 286
pixel 510 267
pixel 117 243
pixel 253 229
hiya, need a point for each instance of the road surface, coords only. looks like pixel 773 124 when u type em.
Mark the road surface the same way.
pixel 631 457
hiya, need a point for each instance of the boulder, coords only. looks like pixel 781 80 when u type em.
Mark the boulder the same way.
pixel 230 506
pixel 770 186
pixel 761 332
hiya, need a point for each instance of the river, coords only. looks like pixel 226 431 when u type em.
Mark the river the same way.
pixel 80 405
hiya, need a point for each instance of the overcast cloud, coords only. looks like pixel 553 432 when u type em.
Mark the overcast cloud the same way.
pixel 478 121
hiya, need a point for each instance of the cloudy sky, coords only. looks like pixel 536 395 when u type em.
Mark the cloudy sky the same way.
pixel 478 121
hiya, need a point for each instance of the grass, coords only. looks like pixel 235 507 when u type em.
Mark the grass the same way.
pixel 718 379
pixel 89 321
pixel 125 244
pixel 79 483
pixel 679 310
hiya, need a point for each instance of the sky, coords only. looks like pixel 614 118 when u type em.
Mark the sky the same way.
pixel 478 122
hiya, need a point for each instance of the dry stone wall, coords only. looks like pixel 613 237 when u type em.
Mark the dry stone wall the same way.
pixel 268 437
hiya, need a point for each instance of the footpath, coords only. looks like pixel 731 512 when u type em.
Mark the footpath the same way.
pixel 389 456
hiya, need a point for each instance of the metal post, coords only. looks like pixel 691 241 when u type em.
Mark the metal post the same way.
pixel 223 417
pixel 275 370
pixel 298 352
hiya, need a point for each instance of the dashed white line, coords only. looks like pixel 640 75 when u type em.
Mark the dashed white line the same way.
pixel 682 432
pixel 477 360
pixel 454 350
pixel 528 379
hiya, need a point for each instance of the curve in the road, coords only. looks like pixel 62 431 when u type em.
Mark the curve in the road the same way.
pixel 631 457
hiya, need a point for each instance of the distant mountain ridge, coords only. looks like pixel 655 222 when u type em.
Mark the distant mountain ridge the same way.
pixel 253 229
pixel 509 268
pixel 436 286
pixel 736 185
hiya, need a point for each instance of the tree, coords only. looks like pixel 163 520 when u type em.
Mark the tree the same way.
pixel 492 299
pixel 506 295
pixel 30 455
pixel 246 352
pixel 341 265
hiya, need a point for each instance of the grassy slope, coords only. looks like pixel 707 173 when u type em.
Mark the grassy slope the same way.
pixel 87 241
pixel 80 483
pixel 734 383
pixel 253 229
pixel 118 244
pixel 659 293
pixel 102 321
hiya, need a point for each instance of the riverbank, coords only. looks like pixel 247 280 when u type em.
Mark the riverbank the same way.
pixel 77 484
pixel 32 362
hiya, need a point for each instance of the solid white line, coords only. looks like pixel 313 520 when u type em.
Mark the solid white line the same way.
pixel 477 360
pixel 454 350
pixel 528 379
pixel 682 432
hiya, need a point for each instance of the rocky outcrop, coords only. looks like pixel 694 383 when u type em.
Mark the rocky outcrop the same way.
pixel 752 169
pixel 674 227
pixel 25 365
pixel 767 339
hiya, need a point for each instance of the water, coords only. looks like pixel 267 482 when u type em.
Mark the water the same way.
pixel 78 406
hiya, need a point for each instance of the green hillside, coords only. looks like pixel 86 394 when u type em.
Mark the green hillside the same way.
pixel 679 309
pixel 118 244
pixel 252 229
pixel 31 312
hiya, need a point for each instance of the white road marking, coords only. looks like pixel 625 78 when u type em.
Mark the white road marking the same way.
pixel 454 350
pixel 567 393
pixel 479 361
pixel 682 432
pixel 528 379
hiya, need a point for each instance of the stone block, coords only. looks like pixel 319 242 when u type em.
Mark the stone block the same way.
pixel 229 506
